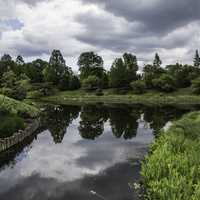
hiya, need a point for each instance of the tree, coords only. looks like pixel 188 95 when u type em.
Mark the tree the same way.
pixel 197 59
pixel 138 86
pixel 118 74
pixel 6 58
pixel 130 62
pixel 56 69
pixel 20 60
pixel 157 61
pixel 91 83
pixel 90 64
pixel 151 72
pixel 183 74
pixel 164 83
pixel 34 70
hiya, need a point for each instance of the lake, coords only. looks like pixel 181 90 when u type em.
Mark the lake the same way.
pixel 83 153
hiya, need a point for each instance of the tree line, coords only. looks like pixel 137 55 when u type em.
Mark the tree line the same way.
pixel 39 77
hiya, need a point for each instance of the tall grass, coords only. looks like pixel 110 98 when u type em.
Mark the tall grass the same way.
pixel 172 170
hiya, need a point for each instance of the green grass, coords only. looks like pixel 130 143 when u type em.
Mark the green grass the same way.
pixel 150 98
pixel 18 107
pixel 172 169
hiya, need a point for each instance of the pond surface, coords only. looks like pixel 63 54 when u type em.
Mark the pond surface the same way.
pixel 83 153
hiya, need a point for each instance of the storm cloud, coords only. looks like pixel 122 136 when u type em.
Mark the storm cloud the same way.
pixel 34 28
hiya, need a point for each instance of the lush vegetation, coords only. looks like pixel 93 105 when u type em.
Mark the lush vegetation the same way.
pixel 20 80
pixel 171 171
pixel 10 123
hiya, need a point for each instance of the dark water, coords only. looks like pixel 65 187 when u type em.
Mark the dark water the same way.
pixel 83 153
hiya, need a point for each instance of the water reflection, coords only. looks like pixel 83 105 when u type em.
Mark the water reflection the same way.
pixel 82 149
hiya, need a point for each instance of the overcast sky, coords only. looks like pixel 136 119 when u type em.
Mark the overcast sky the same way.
pixel 33 28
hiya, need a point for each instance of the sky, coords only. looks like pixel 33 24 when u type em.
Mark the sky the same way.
pixel 33 28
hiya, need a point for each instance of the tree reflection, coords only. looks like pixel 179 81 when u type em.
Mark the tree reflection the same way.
pixel 92 121
pixel 56 119
pixel 123 121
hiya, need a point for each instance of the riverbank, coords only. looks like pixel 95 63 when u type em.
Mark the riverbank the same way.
pixel 18 107
pixel 171 170
pixel 151 98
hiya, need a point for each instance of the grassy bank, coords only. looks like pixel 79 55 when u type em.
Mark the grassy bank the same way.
pixel 17 107
pixel 150 98
pixel 172 169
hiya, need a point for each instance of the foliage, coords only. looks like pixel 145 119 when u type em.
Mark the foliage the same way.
pixel 91 83
pixel 138 86
pixel 157 61
pixel 171 171
pixel 90 64
pixel 11 87
pixel 165 83
pixel 183 74
pixel 123 71
pixel 10 123
pixel 196 86
pixel 17 107
pixel 152 72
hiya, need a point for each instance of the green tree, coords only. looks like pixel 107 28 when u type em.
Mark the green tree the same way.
pixel 90 64
pixel 131 64
pixel 91 83
pixel 151 72
pixel 164 83
pixel 56 69
pixel 34 70
pixel 138 86
pixel 118 74
pixel 197 59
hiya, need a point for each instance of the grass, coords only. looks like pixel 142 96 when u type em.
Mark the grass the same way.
pixel 151 98
pixel 18 107
pixel 172 169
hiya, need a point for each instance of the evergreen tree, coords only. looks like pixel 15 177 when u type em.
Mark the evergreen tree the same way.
pixel 157 61
pixel 197 59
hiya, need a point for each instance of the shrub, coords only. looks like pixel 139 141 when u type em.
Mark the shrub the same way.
pixel 10 123
pixel 196 86
pixel 138 86
pixel 91 83
pixel 99 92
pixel 165 83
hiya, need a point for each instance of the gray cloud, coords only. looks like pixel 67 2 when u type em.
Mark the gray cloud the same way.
pixel 158 16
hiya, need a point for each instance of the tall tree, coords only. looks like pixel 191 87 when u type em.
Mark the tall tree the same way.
pixel 157 61
pixel 56 68
pixel 118 74
pixel 6 58
pixel 197 59
pixel 90 64
pixel 19 60
pixel 131 64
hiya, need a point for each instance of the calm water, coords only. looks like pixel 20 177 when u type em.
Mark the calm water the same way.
pixel 83 153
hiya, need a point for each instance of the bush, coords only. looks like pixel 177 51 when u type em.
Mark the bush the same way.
pixel 196 86
pixel 91 83
pixel 138 86
pixel 171 171
pixel 10 123
pixel 99 92
pixel 165 83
